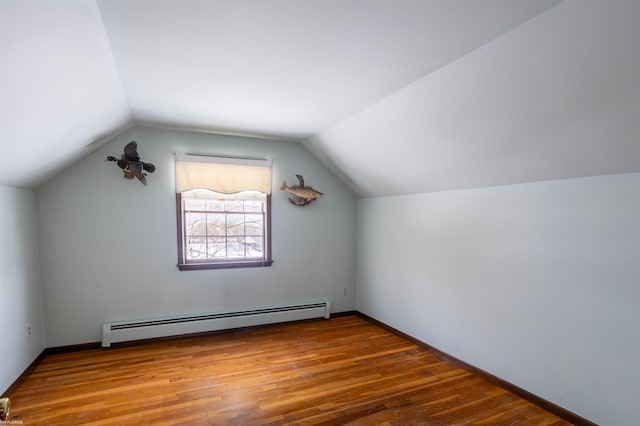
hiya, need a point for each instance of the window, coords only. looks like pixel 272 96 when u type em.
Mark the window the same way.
pixel 229 229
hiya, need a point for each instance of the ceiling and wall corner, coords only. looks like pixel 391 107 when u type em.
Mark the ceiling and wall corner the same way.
pixel 75 73
pixel 60 89
pixel 558 97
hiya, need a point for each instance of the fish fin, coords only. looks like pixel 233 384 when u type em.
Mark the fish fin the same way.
pixel 298 201
pixel 300 180
pixel 284 185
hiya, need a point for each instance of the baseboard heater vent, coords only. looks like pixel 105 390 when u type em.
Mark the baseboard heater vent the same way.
pixel 125 331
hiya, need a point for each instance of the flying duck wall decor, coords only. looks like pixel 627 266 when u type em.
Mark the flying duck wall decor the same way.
pixel 131 164
pixel 301 195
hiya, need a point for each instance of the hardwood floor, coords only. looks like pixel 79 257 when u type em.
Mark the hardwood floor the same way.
pixel 341 371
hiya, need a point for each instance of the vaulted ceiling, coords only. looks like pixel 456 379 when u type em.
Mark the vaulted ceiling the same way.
pixel 395 96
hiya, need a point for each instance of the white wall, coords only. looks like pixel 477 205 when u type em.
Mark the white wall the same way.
pixel 538 284
pixel 109 252
pixel 20 288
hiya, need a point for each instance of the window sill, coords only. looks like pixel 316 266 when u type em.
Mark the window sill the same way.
pixel 223 265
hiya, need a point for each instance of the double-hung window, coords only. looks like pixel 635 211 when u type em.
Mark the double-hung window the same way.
pixel 223 210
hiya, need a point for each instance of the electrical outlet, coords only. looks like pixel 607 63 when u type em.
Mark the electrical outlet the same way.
pixel 29 330
pixel 344 291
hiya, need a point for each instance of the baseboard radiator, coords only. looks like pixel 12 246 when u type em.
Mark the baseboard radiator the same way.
pixel 125 331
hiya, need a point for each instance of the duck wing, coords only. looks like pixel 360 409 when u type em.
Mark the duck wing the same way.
pixel 131 151
pixel 136 169
pixel 148 167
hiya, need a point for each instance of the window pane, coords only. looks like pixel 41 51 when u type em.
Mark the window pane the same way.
pixel 216 248
pixel 215 205
pixel 196 248
pixel 220 227
pixel 216 224
pixel 195 224
pixel 254 224
pixel 254 246
pixel 233 206
pixel 235 224
pixel 235 247
pixel 194 204
pixel 253 206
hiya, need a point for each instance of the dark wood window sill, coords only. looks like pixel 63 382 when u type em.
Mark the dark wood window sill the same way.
pixel 197 266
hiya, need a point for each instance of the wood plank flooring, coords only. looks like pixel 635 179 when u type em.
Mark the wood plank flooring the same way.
pixel 326 372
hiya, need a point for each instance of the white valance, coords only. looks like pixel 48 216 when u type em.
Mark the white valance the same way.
pixel 222 174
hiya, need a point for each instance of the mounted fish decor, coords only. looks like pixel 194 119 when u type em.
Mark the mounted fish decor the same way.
pixel 131 164
pixel 301 195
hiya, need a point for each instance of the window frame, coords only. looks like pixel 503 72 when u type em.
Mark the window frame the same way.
pixel 185 265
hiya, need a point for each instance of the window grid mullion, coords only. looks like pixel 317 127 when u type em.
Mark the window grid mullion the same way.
pixel 245 236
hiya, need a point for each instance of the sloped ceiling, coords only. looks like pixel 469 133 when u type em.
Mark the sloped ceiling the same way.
pixel 559 97
pixel 60 88
pixel 395 96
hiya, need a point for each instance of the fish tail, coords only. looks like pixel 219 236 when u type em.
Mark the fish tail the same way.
pixel 284 185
